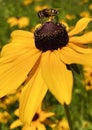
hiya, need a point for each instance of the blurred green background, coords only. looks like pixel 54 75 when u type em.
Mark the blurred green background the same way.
pixel 70 11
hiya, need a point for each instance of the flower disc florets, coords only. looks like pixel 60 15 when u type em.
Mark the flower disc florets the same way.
pixel 50 36
pixel 36 116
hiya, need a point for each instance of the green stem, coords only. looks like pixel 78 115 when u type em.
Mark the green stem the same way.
pixel 68 116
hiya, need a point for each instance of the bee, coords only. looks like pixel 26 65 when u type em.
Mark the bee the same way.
pixel 47 13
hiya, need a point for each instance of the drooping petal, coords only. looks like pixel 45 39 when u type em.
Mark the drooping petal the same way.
pixel 69 56
pixel 84 39
pixel 15 124
pixel 81 50
pixel 31 97
pixel 14 70
pixel 80 26
pixel 58 79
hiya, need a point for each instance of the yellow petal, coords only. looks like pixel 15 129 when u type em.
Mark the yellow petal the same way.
pixel 84 39
pixel 58 79
pixel 12 21
pixel 15 124
pixel 20 40
pixel 44 115
pixel 16 112
pixel 31 97
pixel 31 127
pixel 40 126
pixel 23 22
pixel 81 50
pixel 80 26
pixel 69 56
pixel 21 33
pixel 14 71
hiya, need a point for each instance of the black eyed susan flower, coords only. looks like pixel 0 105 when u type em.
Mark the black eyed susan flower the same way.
pixel 20 22
pixel 90 6
pixel 69 17
pixel 84 14
pixel 39 62
pixel 38 8
pixel 12 21
pixel 27 2
pixel 88 77
pixel 63 125
pixel 4 117
pixel 38 121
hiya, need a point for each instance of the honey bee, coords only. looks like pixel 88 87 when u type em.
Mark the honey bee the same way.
pixel 47 13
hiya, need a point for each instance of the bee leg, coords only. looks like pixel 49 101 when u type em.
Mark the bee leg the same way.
pixel 42 20
pixel 56 19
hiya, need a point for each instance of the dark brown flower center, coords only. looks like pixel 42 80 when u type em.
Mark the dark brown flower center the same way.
pixel 51 36
pixel 36 116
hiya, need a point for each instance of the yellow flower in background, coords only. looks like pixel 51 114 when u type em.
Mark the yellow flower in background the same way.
pixel 84 14
pixel 63 125
pixel 21 22
pixel 38 8
pixel 37 121
pixel 86 124
pixel 13 21
pixel 88 72
pixel 90 6
pixel 27 2
pixel 41 61
pixel 7 100
pixel 70 16
pixel 10 99
pixel 4 117
pixel 83 2
pixel 17 122
pixel 88 77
